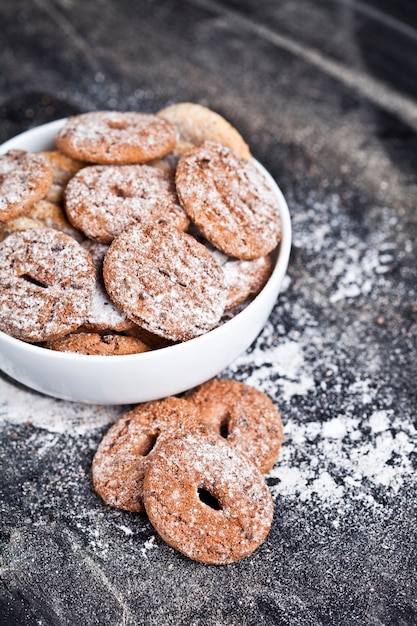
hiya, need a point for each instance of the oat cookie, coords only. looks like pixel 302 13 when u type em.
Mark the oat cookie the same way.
pixel 229 200
pixel 125 450
pixel 46 284
pixel 112 137
pixel 25 177
pixel 107 344
pixel 205 499
pixel 245 416
pixel 165 281
pixel 197 123
pixel 103 200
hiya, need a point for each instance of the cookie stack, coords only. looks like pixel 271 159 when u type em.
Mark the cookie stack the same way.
pixel 195 464
pixel 166 218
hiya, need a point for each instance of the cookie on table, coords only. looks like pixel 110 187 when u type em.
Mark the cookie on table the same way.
pixel 25 177
pixel 46 284
pixel 229 200
pixel 197 124
pixel 205 499
pixel 113 137
pixel 243 415
pixel 103 200
pixel 107 344
pixel 125 450
pixel 165 281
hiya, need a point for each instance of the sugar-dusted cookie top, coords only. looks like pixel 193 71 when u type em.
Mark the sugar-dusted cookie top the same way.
pixel 245 416
pixel 46 284
pixel 25 177
pixel 230 200
pixel 125 450
pixel 114 137
pixel 207 500
pixel 165 281
pixel 103 200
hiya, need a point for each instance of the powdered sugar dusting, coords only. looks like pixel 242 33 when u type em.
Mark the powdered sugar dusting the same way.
pixel 19 406
pixel 165 281
pixel 103 200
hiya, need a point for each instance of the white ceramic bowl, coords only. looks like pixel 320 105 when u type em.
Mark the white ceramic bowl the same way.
pixel 138 378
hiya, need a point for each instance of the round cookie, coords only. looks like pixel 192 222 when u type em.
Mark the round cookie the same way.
pixel 205 499
pixel 103 200
pixel 112 137
pixel 25 177
pixel 229 200
pixel 108 344
pixel 197 124
pixel 245 416
pixel 165 281
pixel 125 450
pixel 46 284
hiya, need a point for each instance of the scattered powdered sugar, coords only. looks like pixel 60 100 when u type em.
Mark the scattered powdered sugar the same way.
pixel 19 406
pixel 285 359
pixel 147 546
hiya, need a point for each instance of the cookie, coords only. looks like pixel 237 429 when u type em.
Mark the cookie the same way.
pixel 197 124
pixel 63 168
pixel 165 281
pixel 243 415
pixel 244 279
pixel 108 344
pixel 103 200
pixel 229 200
pixel 103 313
pixel 120 460
pixel 53 216
pixel 205 499
pixel 111 137
pixel 46 284
pixel 24 222
pixel 25 177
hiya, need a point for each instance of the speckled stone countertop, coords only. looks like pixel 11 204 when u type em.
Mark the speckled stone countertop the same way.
pixel 330 110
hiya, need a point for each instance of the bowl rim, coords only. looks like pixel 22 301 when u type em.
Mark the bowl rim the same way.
pixel 282 251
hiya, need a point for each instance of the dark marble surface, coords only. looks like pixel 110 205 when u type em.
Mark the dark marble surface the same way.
pixel 324 93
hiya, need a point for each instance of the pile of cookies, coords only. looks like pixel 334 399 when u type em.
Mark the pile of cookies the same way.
pixel 195 464
pixel 137 232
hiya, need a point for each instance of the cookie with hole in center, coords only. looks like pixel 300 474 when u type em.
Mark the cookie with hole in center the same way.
pixel 46 284
pixel 243 415
pixel 125 450
pixel 103 200
pixel 165 281
pixel 114 137
pixel 25 177
pixel 205 499
pixel 230 200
